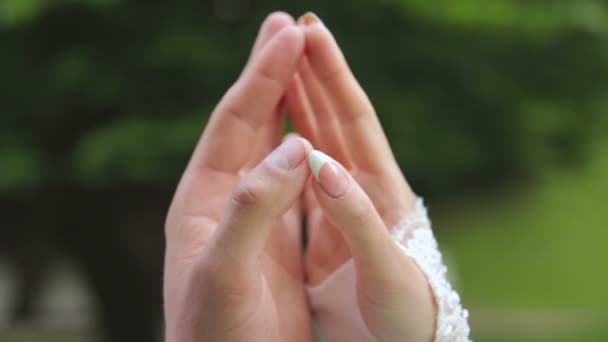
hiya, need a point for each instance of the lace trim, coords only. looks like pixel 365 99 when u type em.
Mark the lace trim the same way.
pixel 415 238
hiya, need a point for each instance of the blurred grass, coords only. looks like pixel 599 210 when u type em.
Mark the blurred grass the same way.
pixel 538 246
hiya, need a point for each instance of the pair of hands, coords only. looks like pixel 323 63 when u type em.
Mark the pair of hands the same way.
pixel 234 265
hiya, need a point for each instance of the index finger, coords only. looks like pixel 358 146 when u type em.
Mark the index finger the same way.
pixel 359 123
pixel 274 23
pixel 232 129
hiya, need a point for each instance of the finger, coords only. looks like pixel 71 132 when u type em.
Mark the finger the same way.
pixel 269 137
pixel 273 23
pixel 230 136
pixel 327 252
pixel 300 111
pixel 311 209
pixel 287 234
pixel 261 198
pixel 293 217
pixel 328 131
pixel 351 211
pixel 363 134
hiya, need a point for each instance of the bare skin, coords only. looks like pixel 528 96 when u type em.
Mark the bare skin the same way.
pixel 331 109
pixel 234 269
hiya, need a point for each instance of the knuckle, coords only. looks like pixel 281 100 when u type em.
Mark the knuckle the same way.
pixel 260 189
pixel 246 195
pixel 241 117
pixel 268 79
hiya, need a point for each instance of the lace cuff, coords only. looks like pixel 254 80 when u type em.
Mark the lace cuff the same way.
pixel 415 238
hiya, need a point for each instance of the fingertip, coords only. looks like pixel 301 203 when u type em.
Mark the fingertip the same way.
pixel 292 35
pixel 276 21
pixel 309 18
pixel 333 178
pixel 283 53
pixel 273 23
pixel 316 160
pixel 317 35
pixel 323 52
pixel 291 135
pixel 307 145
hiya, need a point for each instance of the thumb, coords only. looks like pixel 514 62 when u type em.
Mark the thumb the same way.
pixel 261 197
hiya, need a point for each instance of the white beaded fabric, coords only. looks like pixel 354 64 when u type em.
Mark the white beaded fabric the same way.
pixel 415 238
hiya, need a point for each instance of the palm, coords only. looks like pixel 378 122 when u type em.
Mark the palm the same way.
pixel 277 280
pixel 277 277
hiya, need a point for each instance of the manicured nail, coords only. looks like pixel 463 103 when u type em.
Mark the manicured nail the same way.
pixel 331 175
pixel 309 18
pixel 289 155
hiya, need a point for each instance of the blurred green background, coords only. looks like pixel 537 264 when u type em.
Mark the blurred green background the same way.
pixel 497 111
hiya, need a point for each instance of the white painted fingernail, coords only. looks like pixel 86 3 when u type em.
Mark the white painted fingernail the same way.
pixel 316 159
pixel 332 177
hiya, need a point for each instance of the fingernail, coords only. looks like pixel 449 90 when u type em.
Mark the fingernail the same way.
pixel 331 175
pixel 309 18
pixel 289 155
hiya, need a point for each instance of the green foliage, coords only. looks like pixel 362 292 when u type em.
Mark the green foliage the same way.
pixel 20 168
pixel 469 91
pixel 140 149
pixel 17 12
pixel 538 16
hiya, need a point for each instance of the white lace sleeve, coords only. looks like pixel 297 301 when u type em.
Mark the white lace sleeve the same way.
pixel 415 237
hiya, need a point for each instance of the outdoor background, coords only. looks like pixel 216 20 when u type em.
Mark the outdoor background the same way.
pixel 497 111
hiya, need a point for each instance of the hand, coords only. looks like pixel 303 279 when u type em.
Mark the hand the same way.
pixel 233 259
pixel 350 209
